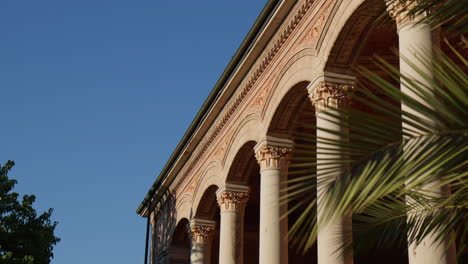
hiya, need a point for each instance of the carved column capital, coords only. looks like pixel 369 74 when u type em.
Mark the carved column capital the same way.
pixel 232 197
pixel 201 230
pixel 398 10
pixel 270 151
pixel 330 94
pixel 268 157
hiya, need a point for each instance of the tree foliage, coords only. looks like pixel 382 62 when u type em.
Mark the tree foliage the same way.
pixel 25 236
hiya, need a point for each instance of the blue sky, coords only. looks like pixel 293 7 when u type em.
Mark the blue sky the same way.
pixel 94 97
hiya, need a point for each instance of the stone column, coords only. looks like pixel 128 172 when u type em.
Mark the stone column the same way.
pixel 232 200
pixel 269 152
pixel 201 231
pixel 415 44
pixel 326 93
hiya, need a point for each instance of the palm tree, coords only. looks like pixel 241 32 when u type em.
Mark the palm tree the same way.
pixel 392 156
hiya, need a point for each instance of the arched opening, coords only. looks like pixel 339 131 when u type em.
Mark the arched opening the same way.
pixel 208 209
pixel 245 171
pixel 293 117
pixel 179 249
pixel 364 37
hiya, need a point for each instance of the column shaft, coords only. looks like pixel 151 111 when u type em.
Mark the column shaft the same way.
pixel 229 237
pixel 270 229
pixel 333 236
pixel 198 253
pixel 269 154
pixel 415 43
pixel 232 200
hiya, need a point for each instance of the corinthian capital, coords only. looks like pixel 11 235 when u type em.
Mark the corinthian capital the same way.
pixel 329 92
pixel 398 10
pixel 269 152
pixel 232 197
pixel 201 230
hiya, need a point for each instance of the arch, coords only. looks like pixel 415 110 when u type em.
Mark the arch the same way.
pixel 299 69
pixel 179 248
pixel 211 176
pixel 344 10
pixel 243 163
pixel 207 208
pixel 361 37
pixel 207 205
pixel 244 170
pixel 184 206
pixel 249 129
pixel 290 109
pixel 353 41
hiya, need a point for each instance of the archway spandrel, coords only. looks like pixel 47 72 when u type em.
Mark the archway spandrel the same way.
pixel 184 206
pixel 274 51
pixel 192 186
pixel 275 58
pixel 260 98
pixel 208 175
pixel 299 67
pixel 249 128
pixel 221 150
pixel 313 33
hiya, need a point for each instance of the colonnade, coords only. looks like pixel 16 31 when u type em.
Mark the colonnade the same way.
pixel 232 199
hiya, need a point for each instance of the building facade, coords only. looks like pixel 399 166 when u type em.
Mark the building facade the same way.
pixel 217 200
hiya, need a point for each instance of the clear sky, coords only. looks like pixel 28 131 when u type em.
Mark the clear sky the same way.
pixel 94 97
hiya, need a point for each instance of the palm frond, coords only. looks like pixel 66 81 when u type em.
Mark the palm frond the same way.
pixel 386 173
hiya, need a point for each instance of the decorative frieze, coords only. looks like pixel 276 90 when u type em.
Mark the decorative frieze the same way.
pixel 257 70
pixel 201 230
pixel 232 197
pixel 330 95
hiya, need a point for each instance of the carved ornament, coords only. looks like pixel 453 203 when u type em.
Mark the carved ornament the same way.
pixel 255 73
pixel 232 201
pixel 314 33
pixel 328 94
pixel 269 157
pixel 201 233
pixel 398 10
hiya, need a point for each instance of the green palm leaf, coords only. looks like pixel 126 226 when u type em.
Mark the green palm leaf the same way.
pixel 389 167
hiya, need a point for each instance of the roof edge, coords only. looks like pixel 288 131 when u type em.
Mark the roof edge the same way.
pixel 243 49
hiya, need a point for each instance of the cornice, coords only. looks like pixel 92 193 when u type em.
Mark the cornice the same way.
pixel 279 40
pixel 184 149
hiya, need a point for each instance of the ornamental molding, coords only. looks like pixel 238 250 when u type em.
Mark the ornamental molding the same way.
pixel 255 73
pixel 201 230
pixel 319 21
pixel 232 197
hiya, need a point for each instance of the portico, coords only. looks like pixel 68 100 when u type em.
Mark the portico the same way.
pixel 219 198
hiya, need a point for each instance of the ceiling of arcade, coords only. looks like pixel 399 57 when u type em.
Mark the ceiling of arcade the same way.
pixel 377 38
pixel 302 30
